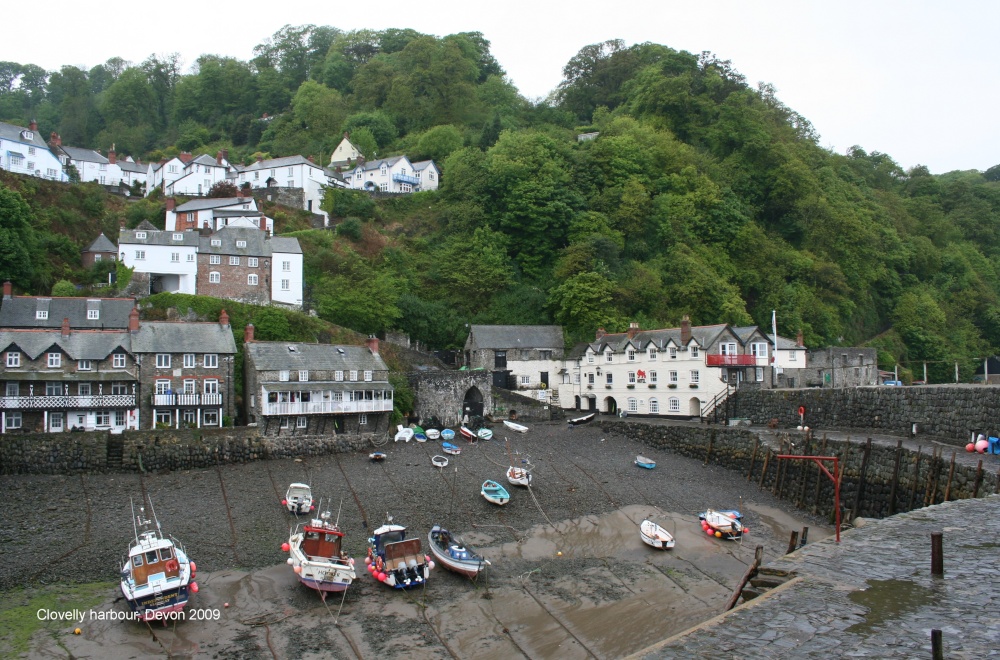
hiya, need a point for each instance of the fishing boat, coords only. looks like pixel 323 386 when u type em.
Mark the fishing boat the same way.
pixel 298 498
pixel 447 434
pixel 515 427
pixel 723 524
pixel 377 456
pixel 315 554
pixel 484 433
pixel 157 577
pixel 439 461
pixel 655 536
pixel 644 462
pixel 453 554
pixel 396 560
pixel 449 448
pixel 577 421
pixel 404 434
pixel 494 492
pixel 433 434
pixel 467 433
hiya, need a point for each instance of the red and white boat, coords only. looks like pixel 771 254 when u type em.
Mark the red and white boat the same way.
pixel 315 554
pixel 468 433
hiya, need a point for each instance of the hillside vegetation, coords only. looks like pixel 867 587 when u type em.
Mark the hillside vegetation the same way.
pixel 700 196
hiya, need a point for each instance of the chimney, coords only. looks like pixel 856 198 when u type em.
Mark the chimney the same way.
pixel 33 125
pixel 311 159
pixel 225 155
pixel 248 333
pixel 260 159
pixel 798 338
pixel 372 344
pixel 346 135
pixel 171 203
pixel 133 320
pixel 685 330
pixel 223 318
pixel 8 290
pixel 65 326
pixel 218 158
pixel 55 140
pixel 112 155
pixel 633 329
pixel 600 333
pixel 361 161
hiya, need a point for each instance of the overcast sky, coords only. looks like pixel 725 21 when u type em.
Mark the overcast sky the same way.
pixel 915 79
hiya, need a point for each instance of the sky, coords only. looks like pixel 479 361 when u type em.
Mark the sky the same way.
pixel 914 79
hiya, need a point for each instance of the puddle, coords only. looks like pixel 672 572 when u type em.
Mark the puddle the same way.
pixel 887 600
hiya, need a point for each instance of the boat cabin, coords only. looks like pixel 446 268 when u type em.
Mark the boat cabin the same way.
pixel 321 542
pixel 153 561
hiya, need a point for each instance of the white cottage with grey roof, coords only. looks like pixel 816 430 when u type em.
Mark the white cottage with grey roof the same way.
pixel 393 175
pixel 287 172
pixel 23 151
pixel 170 258
pixel 295 388
pixel 214 213
pixel 525 357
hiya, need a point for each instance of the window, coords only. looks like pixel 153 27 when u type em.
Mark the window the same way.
pixel 93 314
pixel 672 377
pixel 56 421
pixel 118 361
pixel 211 386
pixel 175 257
pixel 654 407
pixel 119 418
pixel 211 418
pixel 102 418
pixel 31 151
pixel 633 404
pixel 214 277
pixel 590 359
pixel 189 361
pixel 631 355
pixel 368 375
pixel 189 386
pixel 234 261
pixel 338 375
pixel 84 365
pixel 760 374
pixel 211 360
pixel 190 257
pixel 354 374
pixel 163 360
pixel 672 352
pixel 695 377
pixel 286 266
pixel 14 419
pixel 140 255
pixel 383 187
pixel 55 360
pixel 727 349
pixel 284 423
pixel 609 357
pixel 631 378
pixel 162 386
pixel 285 285
pixel 178 237
pixel 301 422
pixel 758 349
pixel 694 352
pixel 50 172
pixel 362 420
pixel 283 375
pixel 303 375
pixel 55 389
pixel 241 244
pixel 792 356
pixel 42 314
pixel 252 262
pixel 214 259
pixel 13 359
pixel 652 353
pixel 164 417
pixel 653 377
pixel 609 379
pixel 216 242
pixel 673 404
pixel 525 380
pixel 140 235
pixel 590 379
pixel 119 388
pixel 251 280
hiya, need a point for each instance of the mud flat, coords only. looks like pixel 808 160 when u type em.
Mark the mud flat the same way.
pixel 570 576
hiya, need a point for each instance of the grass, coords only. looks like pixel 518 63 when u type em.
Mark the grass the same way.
pixel 19 620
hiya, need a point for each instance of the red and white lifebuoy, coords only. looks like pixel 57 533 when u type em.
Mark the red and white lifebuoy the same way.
pixel 171 565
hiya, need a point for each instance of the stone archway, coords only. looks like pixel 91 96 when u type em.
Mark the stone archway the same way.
pixel 610 405
pixel 472 403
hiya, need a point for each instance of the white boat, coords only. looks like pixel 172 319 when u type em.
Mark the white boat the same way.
pixel 519 476
pixel 723 524
pixel 453 554
pixel 377 456
pixel 484 433
pixel 654 535
pixel 404 434
pixel 298 498
pixel 157 577
pixel 315 554
pixel 433 434
pixel 439 461
pixel 576 421
pixel 494 492
pixel 449 448
pixel 467 433
pixel 514 426
pixel 644 462
pixel 396 560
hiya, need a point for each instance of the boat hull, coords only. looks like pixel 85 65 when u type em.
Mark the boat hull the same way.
pixel 655 536
pixel 447 434
pixel 495 493
pixel 468 434
pixel 469 567
pixel 515 427
pixel 582 420
pixel 325 585
pixel 151 607
pixel 726 525
pixel 518 476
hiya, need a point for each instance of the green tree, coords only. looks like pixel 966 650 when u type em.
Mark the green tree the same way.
pixel 18 242
pixel 438 143
pixel 64 289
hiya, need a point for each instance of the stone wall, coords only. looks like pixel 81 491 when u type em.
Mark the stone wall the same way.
pixel 442 394
pixel 946 412
pixel 877 480
pixel 527 408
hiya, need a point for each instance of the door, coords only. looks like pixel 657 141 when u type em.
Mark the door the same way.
pixel 544 378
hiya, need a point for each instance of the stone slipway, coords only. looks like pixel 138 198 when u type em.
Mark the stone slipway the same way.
pixel 873 596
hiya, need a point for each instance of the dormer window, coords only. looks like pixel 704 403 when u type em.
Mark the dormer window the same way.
pixel 216 242
pixel 28 135
pixel 609 357
pixel 42 314
pixel 241 244
pixel 140 234
pixel 178 237
pixel 93 314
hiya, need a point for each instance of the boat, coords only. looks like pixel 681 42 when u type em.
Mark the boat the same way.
pixel 723 524
pixel 453 554
pixel 644 462
pixel 420 437
pixel 404 434
pixel 515 427
pixel 484 433
pixel 519 476
pixel 467 433
pixel 447 434
pixel 494 492
pixel 315 554
pixel 396 560
pixel 433 434
pixel 576 421
pixel 157 577
pixel 439 461
pixel 654 535
pixel 449 448
pixel 377 456
pixel 298 498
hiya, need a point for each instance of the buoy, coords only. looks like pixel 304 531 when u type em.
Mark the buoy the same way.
pixel 298 570
pixel 194 567
pixel 805 428
pixel 194 587
pixel 970 447
pixel 709 532
pixel 225 604
pixel 718 535
pixel 289 561
pixel 77 631
pixel 746 530
pixel 427 557
pixel 312 507
pixel 981 446
pixel 285 547
pixel 559 554
pixel 368 561
pixel 799 427
pixel 430 565
pixel 284 502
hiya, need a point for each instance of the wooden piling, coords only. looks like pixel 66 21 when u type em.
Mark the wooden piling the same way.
pixel 779 471
pixel 895 478
pixel 753 457
pixel 916 475
pixel 819 478
pixel 932 472
pixel 793 542
pixel 937 646
pixel 763 471
pixel 758 556
pixel 803 473
pixel 937 554
pixel 951 475
pixel 859 493
pixel 979 479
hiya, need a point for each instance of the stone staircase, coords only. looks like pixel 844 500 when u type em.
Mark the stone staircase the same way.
pixel 115 448
pixel 766 579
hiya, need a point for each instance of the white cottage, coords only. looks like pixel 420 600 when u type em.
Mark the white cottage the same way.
pixel 22 151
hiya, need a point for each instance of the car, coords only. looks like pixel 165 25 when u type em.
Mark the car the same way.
pixel 919 382
pixel 894 383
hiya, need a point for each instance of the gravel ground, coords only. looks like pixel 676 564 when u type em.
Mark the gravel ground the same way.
pixel 230 519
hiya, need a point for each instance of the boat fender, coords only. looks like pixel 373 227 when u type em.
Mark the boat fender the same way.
pixel 379 564
pixel 171 565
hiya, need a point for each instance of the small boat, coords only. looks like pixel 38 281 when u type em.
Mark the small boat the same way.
pixel 298 498
pixel 447 434
pixel 404 434
pixel 644 462
pixel 439 461
pixel 377 456
pixel 519 476
pixel 417 429
pixel 494 492
pixel 484 433
pixel 654 535
pixel 315 554
pixel 396 560
pixel 449 448
pixel 515 427
pixel 420 437
pixel 576 421
pixel 453 554
pixel 723 524
pixel 467 433
pixel 157 577
pixel 433 434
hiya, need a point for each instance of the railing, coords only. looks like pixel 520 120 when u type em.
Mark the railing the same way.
pixel 710 411
pixel 405 178
pixel 168 400
pixel 746 360
pixel 63 401
pixel 319 407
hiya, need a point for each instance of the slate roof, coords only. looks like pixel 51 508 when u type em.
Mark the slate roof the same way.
pixel 285 245
pixel 183 337
pixel 129 166
pixel 13 133
pixel 515 336
pixel 157 237
pixel 703 336
pixel 101 244
pixel 214 203
pixel 279 355
pixel 256 243
pixel 80 345
pixel 20 312
pixel 420 166
pixel 274 163
pixel 87 155
pixel 785 344
pixel 205 159
pixel 376 164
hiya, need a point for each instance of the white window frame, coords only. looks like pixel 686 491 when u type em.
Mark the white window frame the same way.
pixel 654 406
pixel 252 262
pixel 284 375
pixel 214 259
pixel 163 360
pixel 190 361
pixel 211 386
pixel 672 377
pixel 338 375
pixel 673 405
pixel 363 419
pixel 13 420
pixel 118 361
pixel 672 352
pixel 84 365
pixel 630 355
pixel 140 235
pixel 234 261
pixel 210 418
pixel 694 352
pixel 252 279
pixel 162 385
pixel 286 266
pixel 13 359
pixel 175 257
pixel 216 242
pixel 93 314
pixel 140 255
pixel 54 360
pixel 210 360
pixel 631 378
pixel 42 314
pixel 286 285
pixel 695 376
pixel 301 422
pixel 303 375
pixel 652 377
pixel 354 375
pixel 241 244
pixel 214 277
pixel 525 380
pixel 178 237
pixel 633 404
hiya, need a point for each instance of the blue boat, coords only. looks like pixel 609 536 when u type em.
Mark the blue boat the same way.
pixel 447 434
pixel 644 462
pixel 494 492
pixel 449 448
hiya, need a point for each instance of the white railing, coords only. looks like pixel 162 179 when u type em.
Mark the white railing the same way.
pixel 187 399
pixel 66 401
pixel 319 407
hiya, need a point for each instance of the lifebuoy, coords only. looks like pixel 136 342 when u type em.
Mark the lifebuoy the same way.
pixel 802 410
pixel 171 565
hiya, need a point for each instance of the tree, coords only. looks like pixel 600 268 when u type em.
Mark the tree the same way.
pixel 64 289
pixel 379 123
pixel 438 143
pixel 222 190
pixel 17 239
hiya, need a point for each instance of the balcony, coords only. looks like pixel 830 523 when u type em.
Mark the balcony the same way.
pixel 66 402
pixel 186 400
pixel 327 407
pixel 735 360
pixel 405 178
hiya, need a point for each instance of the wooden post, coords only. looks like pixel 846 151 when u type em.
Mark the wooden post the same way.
pixel 913 484
pixel 803 474
pixel 805 536
pixel 776 488
pixel 932 470
pixel 859 493
pixel 753 458
pixel 937 649
pixel 951 474
pixel 937 554
pixel 793 542
pixel 758 555
pixel 763 471
pixel 895 478
pixel 979 479
pixel 819 477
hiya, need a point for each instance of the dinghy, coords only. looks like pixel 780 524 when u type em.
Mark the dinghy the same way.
pixel 377 456
pixel 519 476
pixel 494 492
pixel 723 524
pixel 439 461
pixel 396 560
pixel 576 421
pixel 515 427
pixel 467 433
pixel 644 462
pixel 449 448
pixel 433 434
pixel 447 434
pixel 420 437
pixel 484 433
pixel 655 536
pixel 453 554
pixel 298 498
pixel 404 434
